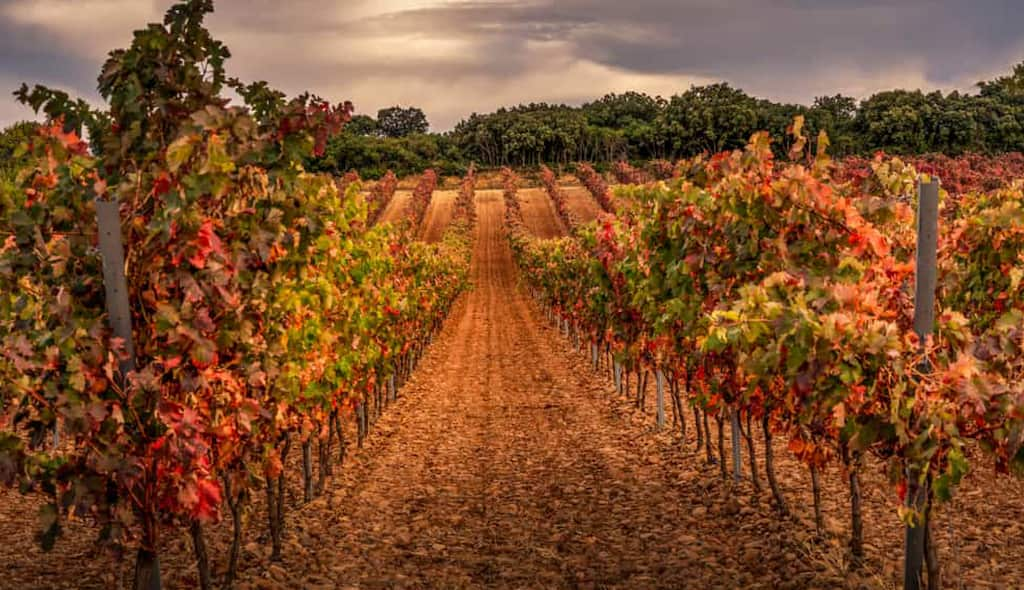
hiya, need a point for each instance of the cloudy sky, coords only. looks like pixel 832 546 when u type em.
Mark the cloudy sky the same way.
pixel 453 57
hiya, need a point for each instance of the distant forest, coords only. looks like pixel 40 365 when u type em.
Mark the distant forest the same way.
pixel 638 127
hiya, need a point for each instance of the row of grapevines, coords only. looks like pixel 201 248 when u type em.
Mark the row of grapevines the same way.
pixel 969 173
pixel 550 181
pixel 381 194
pixel 421 196
pixel 263 306
pixel 348 179
pixel 778 291
pixel 509 191
pixel 662 169
pixel 626 174
pixel 595 183
pixel 465 203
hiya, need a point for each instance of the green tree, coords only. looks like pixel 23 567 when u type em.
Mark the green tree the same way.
pixel 1006 88
pixel 912 122
pixel 636 116
pixel 362 125
pixel 895 121
pixel 399 122
pixel 835 116
pixel 1000 111
pixel 710 118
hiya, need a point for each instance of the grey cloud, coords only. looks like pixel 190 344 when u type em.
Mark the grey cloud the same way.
pixel 783 49
pixel 741 39
pixel 34 56
pixel 526 21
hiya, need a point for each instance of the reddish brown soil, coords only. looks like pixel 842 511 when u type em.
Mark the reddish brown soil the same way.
pixel 539 214
pixel 582 204
pixel 396 207
pixel 442 206
pixel 509 463
pixel 506 464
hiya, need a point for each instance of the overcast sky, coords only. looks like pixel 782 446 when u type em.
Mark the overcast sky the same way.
pixel 452 58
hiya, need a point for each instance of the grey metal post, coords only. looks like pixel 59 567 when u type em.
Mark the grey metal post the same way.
pixel 659 376
pixel 119 315
pixel 115 284
pixel 737 460
pixel 925 281
pixel 927 258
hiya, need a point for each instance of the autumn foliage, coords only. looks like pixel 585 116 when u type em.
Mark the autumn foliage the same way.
pixel 596 185
pixel 262 306
pixel 625 173
pixel 465 203
pixel 782 291
pixel 380 195
pixel 421 196
pixel 550 182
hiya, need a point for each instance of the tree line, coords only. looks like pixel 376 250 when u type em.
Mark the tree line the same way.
pixel 639 127
pixel 711 118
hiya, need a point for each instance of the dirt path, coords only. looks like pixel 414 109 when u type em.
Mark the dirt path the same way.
pixel 396 207
pixel 439 213
pixel 539 214
pixel 507 465
pixel 582 204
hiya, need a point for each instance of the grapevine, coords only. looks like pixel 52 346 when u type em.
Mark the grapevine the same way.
pixel 627 174
pixel 596 185
pixel 778 291
pixel 380 195
pixel 261 304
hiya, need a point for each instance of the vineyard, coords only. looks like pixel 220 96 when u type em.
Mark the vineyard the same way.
pixel 780 295
pixel 220 369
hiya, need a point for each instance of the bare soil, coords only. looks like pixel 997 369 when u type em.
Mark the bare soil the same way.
pixel 582 204
pixel 439 213
pixel 539 214
pixel 396 207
